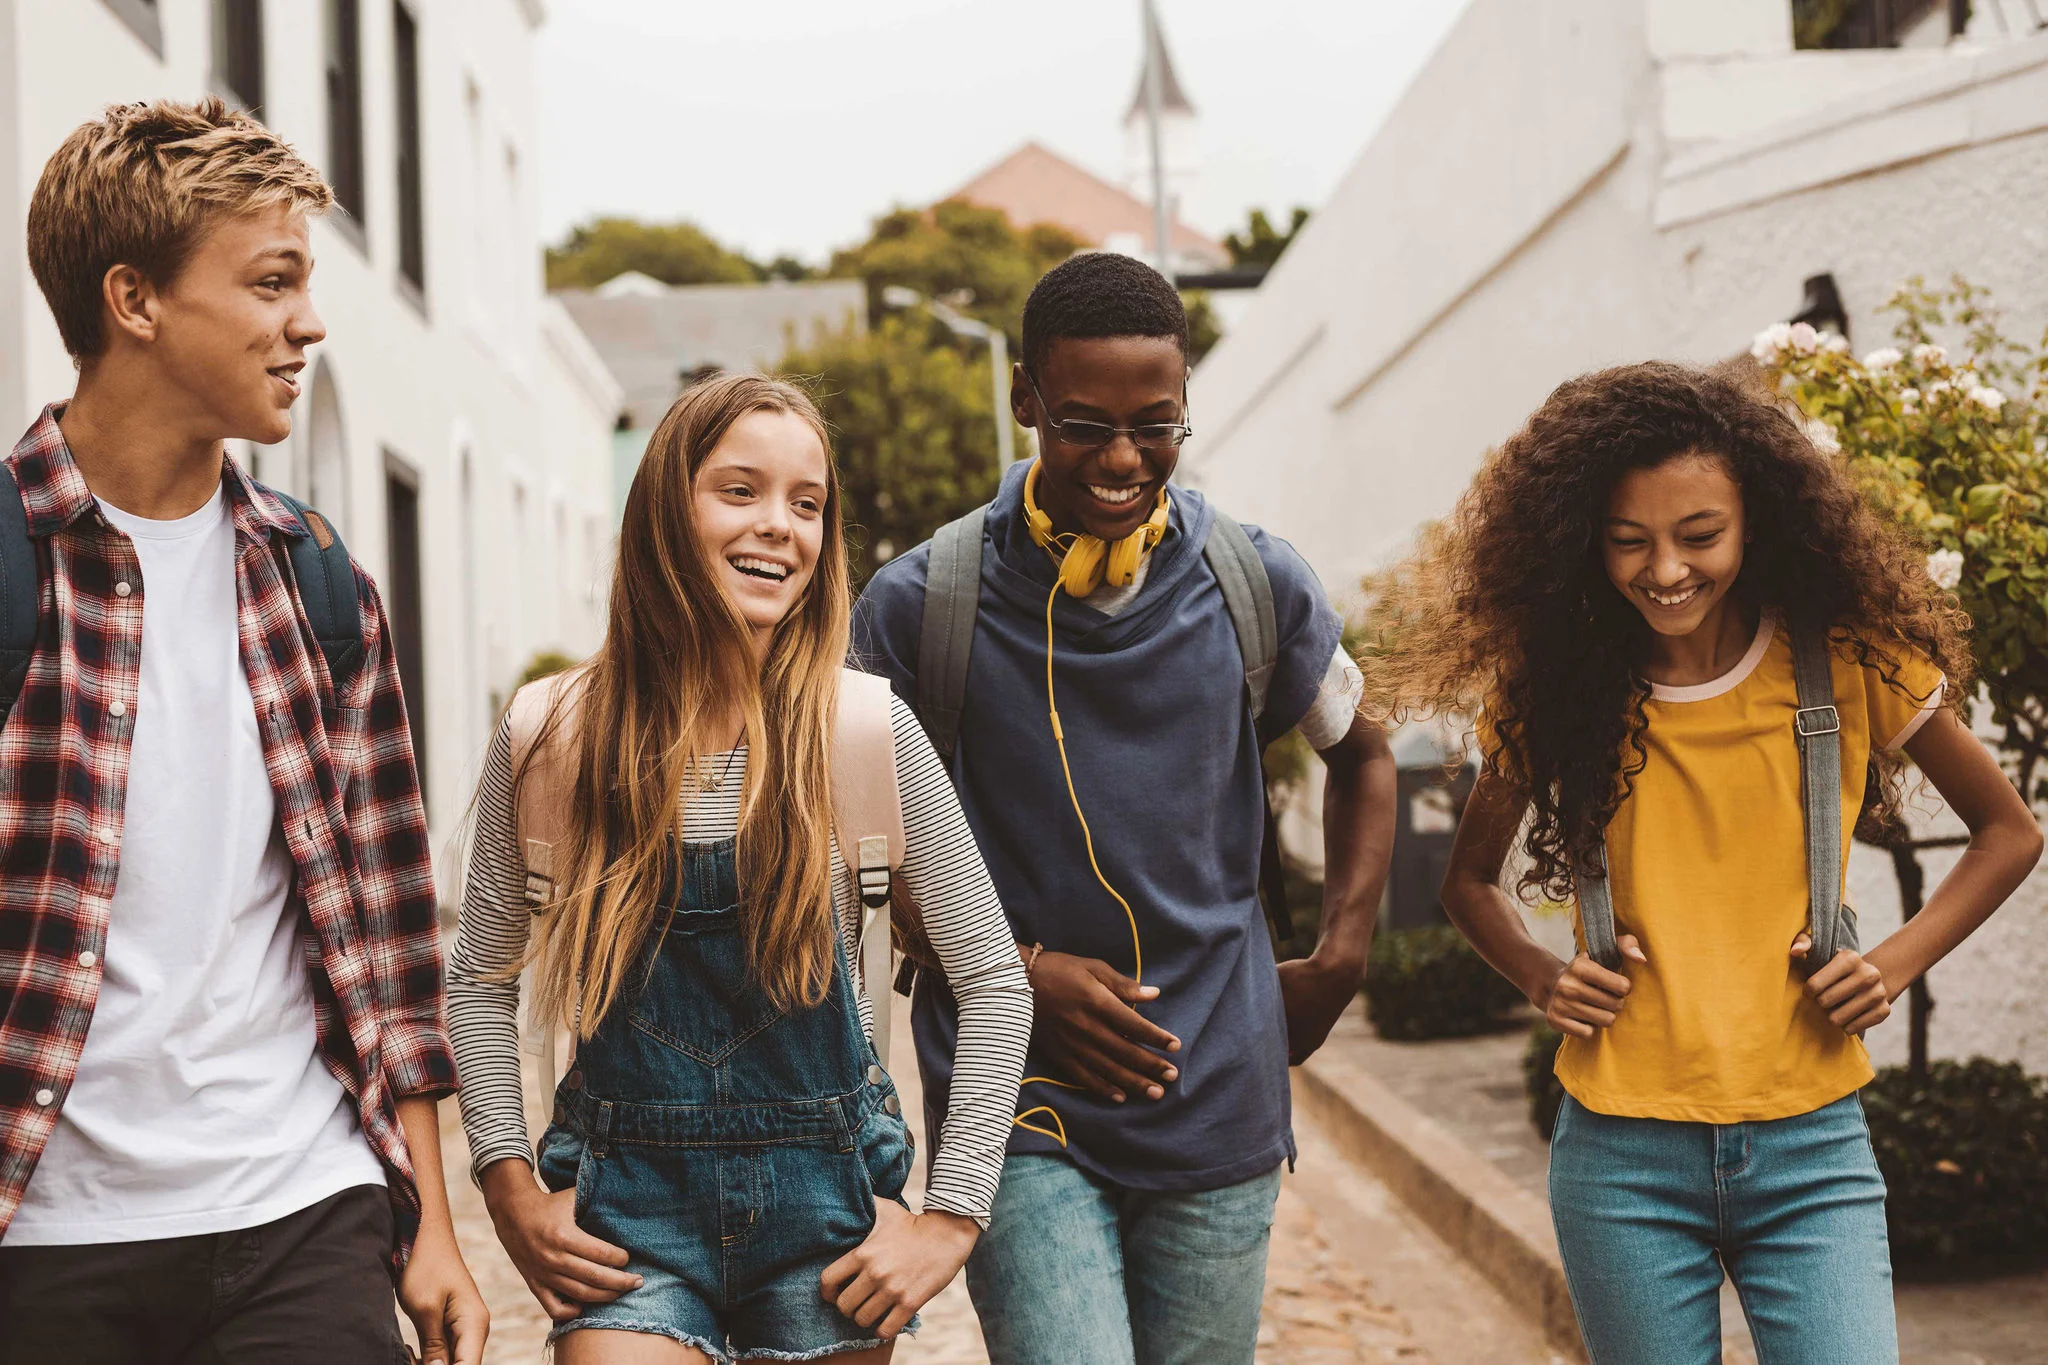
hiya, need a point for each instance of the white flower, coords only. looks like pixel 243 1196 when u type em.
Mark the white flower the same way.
pixel 1929 357
pixel 1945 567
pixel 1803 339
pixel 1883 358
pixel 1909 400
pixel 1987 398
pixel 1937 389
pixel 1823 437
pixel 1771 342
pixel 1834 343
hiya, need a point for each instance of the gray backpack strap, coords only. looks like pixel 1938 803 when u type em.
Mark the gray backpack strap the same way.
pixel 1248 596
pixel 1818 727
pixel 952 599
pixel 1596 917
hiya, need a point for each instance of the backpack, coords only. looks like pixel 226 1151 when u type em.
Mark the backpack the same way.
pixel 952 601
pixel 319 565
pixel 1817 729
pixel 867 824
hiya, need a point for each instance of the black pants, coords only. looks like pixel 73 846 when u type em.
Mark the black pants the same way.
pixel 308 1289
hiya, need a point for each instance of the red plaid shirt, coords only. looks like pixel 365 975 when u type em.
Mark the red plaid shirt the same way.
pixel 348 802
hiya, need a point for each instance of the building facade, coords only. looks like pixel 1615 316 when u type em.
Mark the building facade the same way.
pixel 456 427
pixel 1570 184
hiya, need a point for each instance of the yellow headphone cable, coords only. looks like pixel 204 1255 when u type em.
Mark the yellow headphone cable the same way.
pixel 1065 542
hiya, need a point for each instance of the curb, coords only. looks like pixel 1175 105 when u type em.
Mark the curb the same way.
pixel 1501 1229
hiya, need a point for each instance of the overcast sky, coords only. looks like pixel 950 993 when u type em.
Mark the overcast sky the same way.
pixel 787 125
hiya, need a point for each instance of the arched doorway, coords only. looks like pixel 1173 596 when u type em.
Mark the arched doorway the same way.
pixel 326 465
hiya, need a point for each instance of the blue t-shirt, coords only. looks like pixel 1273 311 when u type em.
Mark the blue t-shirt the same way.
pixel 1166 763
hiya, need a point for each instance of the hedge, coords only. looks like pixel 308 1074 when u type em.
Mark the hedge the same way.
pixel 1428 983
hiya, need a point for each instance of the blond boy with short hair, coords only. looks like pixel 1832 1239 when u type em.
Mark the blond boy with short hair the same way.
pixel 221 1017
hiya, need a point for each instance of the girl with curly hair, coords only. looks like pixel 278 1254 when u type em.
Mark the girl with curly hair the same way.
pixel 1626 596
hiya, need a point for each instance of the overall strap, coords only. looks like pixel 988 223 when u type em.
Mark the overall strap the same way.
pixel 952 599
pixel 1818 727
pixel 21 593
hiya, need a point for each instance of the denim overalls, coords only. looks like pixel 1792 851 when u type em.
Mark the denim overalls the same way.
pixel 733 1150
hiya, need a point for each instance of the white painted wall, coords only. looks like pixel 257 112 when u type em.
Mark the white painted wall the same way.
pixel 487 371
pixel 1530 211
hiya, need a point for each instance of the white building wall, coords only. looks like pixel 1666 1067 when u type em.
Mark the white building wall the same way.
pixel 478 373
pixel 1522 219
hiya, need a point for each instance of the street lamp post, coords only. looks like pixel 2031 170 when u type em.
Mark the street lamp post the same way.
pixel 902 296
pixel 1153 49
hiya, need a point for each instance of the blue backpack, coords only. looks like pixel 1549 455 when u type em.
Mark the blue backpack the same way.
pixel 319 565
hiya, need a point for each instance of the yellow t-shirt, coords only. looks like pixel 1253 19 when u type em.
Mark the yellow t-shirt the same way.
pixel 1707 864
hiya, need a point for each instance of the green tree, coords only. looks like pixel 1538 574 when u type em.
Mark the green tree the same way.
pixel 674 253
pixel 913 429
pixel 1205 329
pixel 1261 243
pixel 1956 448
pixel 961 253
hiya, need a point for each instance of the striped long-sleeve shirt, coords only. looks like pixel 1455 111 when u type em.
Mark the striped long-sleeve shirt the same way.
pixel 942 869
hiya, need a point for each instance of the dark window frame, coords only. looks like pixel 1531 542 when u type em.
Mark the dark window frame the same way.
pixel 238 66
pixel 344 78
pixel 408 163
pixel 143 19
pixel 405 594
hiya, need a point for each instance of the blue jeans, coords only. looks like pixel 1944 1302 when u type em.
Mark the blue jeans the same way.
pixel 1074 1270
pixel 1650 1214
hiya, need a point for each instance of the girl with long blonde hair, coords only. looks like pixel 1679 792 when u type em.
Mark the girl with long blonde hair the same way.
pixel 722 1178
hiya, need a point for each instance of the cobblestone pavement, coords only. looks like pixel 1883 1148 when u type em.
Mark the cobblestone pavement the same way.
pixel 1352 1278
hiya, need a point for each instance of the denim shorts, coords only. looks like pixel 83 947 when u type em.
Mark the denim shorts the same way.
pixel 730 1214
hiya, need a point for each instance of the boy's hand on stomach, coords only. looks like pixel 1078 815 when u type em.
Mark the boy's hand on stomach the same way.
pixel 1085 1024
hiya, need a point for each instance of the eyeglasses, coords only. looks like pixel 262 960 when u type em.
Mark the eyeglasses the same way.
pixel 1095 435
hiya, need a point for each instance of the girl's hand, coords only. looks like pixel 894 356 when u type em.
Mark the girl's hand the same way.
pixel 1586 996
pixel 1851 989
pixel 903 1264
pixel 563 1265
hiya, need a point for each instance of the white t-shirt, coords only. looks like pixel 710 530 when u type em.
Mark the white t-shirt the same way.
pixel 201 1103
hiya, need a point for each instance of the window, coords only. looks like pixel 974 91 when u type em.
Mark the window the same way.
pixel 345 106
pixel 404 599
pixel 412 246
pixel 142 16
pixel 238 52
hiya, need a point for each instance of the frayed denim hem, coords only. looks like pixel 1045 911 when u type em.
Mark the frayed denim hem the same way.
pixel 837 1348
pixel 654 1329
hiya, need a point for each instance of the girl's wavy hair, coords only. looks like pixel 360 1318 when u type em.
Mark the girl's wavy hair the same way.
pixel 1507 608
pixel 631 721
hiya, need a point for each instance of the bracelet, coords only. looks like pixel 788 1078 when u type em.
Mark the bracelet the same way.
pixel 1031 960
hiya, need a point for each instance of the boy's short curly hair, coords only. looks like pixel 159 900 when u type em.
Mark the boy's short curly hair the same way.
pixel 135 187
pixel 1100 294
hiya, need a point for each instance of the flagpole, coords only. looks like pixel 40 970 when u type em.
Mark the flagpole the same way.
pixel 1153 79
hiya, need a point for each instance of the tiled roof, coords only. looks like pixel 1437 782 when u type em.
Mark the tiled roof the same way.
pixel 1035 185
pixel 649 338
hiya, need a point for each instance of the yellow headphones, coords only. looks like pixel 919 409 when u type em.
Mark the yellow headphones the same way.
pixel 1086 561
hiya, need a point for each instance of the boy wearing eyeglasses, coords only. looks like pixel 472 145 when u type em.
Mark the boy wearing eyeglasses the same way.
pixel 1134 1212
